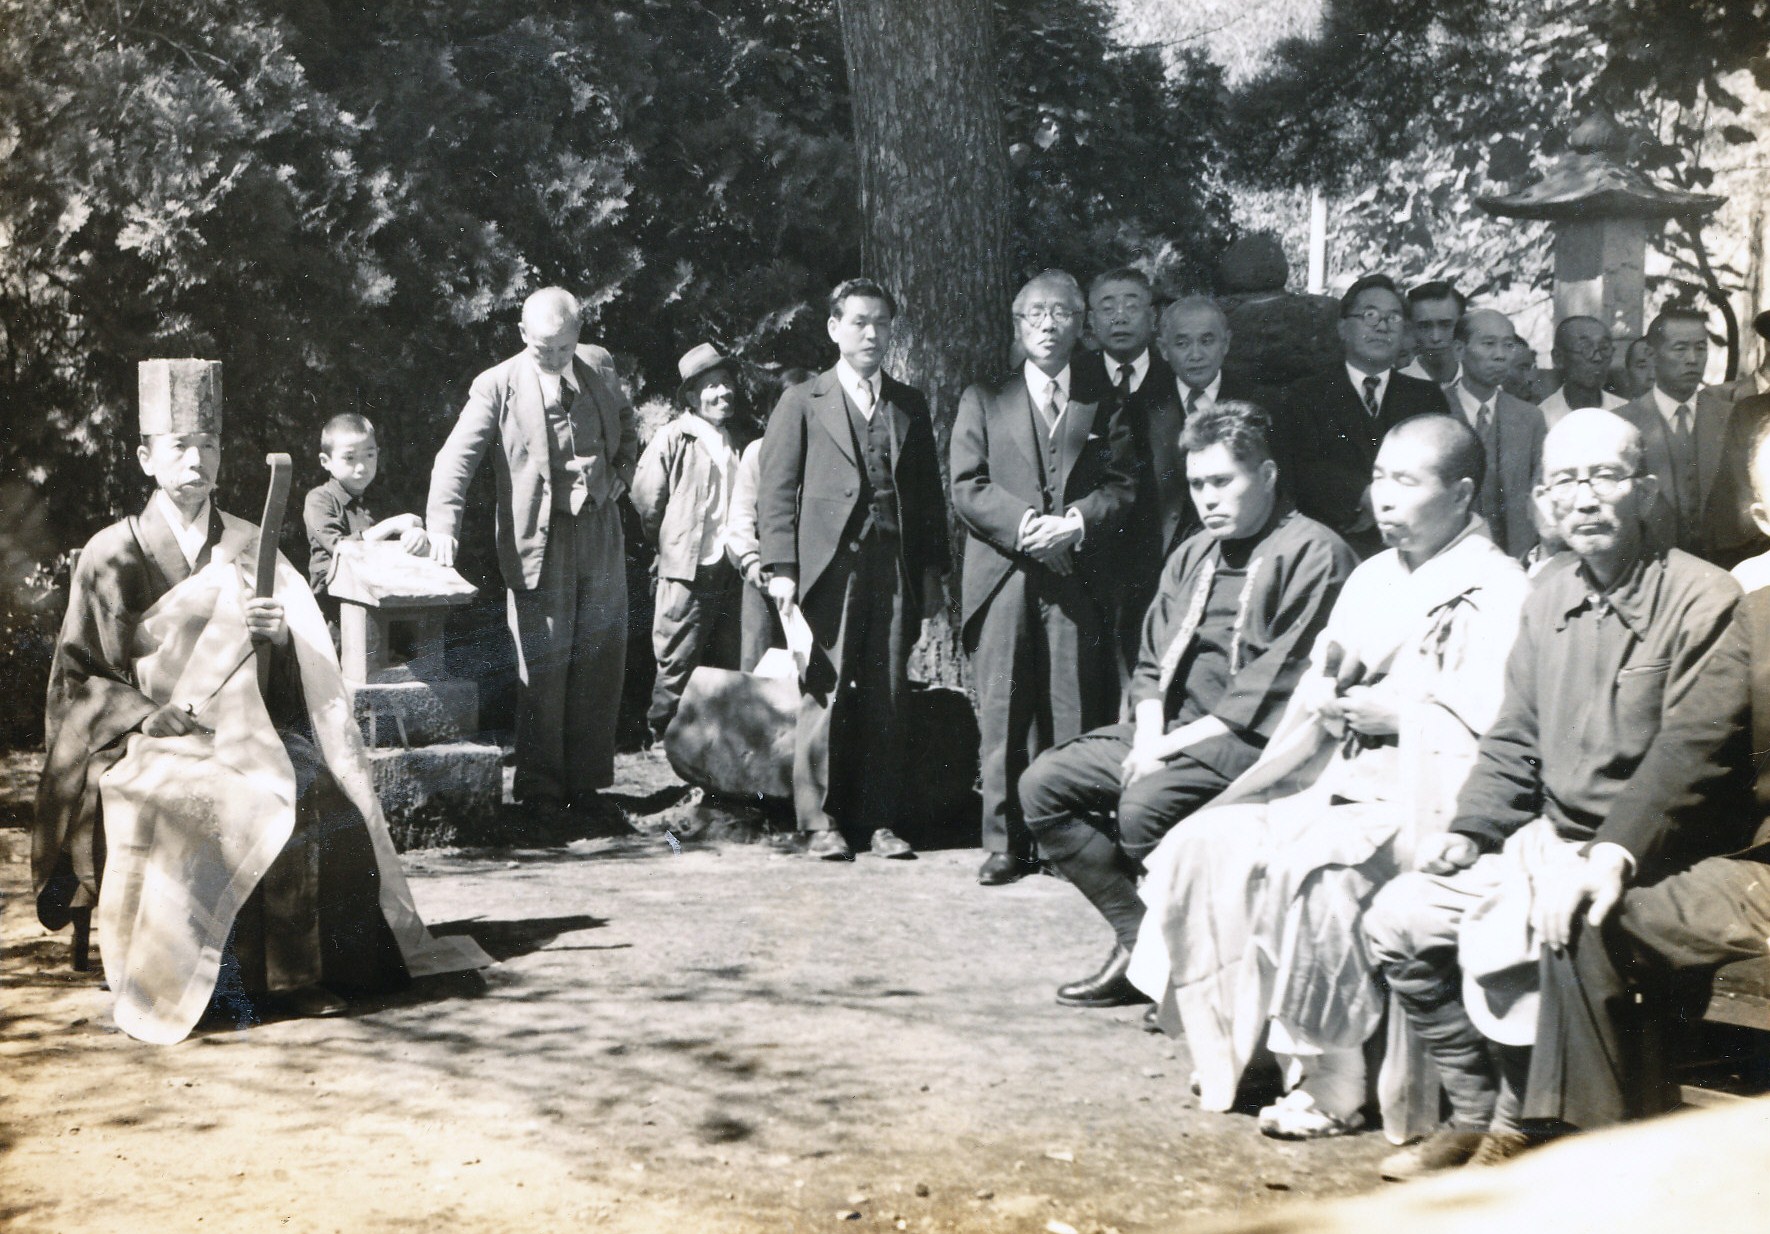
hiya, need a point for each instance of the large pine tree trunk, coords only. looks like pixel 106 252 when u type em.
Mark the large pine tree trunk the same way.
pixel 934 205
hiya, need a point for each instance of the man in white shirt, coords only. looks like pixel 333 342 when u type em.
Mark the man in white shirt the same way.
pixel 1043 478
pixel 1433 310
pixel 1581 354
pixel 1510 429
pixel 1683 428
pixel 1121 313
pixel 558 415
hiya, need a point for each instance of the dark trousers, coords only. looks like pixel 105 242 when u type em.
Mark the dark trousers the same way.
pixel 1045 674
pixel 1609 999
pixel 695 622
pixel 1098 833
pixel 848 747
pixel 571 648
pixel 315 917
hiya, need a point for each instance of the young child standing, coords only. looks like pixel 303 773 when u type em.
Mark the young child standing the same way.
pixel 336 511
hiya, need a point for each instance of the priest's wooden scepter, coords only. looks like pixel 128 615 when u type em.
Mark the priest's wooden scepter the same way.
pixel 270 528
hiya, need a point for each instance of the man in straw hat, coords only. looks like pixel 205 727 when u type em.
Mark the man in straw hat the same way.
pixel 682 492
pixel 212 823
pixel 1610 639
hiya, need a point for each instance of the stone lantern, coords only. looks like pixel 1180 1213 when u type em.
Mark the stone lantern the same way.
pixel 437 783
pixel 1600 210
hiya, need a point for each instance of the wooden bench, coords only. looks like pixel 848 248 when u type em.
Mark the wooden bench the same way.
pixel 1739 997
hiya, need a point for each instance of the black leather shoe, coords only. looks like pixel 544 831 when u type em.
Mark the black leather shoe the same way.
pixel 829 846
pixel 1107 988
pixel 999 869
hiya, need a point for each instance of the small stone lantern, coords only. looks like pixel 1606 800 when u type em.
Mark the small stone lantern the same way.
pixel 1599 210
pixel 437 784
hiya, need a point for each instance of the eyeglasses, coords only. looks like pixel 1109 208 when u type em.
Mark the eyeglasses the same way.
pixel 1059 313
pixel 1597 352
pixel 1378 317
pixel 1605 483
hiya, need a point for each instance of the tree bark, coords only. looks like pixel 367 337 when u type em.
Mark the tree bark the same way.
pixel 934 186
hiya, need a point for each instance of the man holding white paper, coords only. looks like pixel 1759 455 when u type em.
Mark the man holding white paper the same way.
pixel 853 534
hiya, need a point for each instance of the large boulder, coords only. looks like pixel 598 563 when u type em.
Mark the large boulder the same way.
pixel 733 736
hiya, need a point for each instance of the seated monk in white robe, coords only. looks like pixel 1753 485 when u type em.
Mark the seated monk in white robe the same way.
pixel 197 812
pixel 1255 902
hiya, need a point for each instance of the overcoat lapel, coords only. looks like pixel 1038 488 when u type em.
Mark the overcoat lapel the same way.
pixel 1078 423
pixel 900 421
pixel 530 410
pixel 1022 419
pixel 830 405
pixel 590 386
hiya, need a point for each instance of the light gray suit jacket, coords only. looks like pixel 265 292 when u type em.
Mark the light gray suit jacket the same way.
pixel 1712 408
pixel 506 405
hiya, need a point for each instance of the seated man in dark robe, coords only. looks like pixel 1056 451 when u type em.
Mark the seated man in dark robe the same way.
pixel 1224 643
pixel 202 814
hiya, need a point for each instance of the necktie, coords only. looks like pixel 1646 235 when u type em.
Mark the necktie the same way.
pixel 1123 381
pixel 1192 397
pixel 1684 463
pixel 863 398
pixel 1370 394
pixel 580 482
pixel 1053 407
pixel 1483 419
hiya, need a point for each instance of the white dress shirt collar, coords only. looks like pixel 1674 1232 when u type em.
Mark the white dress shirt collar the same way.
pixel 189 536
pixel 1038 383
pixel 1207 397
pixel 1358 375
pixel 852 383
pixel 1668 406
pixel 1471 405
pixel 1139 369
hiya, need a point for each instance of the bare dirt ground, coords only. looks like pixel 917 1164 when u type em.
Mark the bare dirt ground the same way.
pixel 725 1038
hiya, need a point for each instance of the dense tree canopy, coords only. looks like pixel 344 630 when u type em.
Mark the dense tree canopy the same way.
pixel 345 202
pixel 1407 111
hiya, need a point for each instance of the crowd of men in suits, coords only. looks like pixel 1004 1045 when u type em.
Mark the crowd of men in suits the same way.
pixel 1390 697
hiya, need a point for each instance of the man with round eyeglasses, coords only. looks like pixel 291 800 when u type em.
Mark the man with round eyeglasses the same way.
pixel 1582 355
pixel 1566 804
pixel 1043 478
pixel 1329 424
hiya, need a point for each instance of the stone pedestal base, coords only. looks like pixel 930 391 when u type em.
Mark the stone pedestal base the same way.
pixel 440 794
pixel 416 713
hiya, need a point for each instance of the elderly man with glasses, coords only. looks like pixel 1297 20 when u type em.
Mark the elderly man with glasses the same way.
pixel 1043 478
pixel 1551 819
pixel 1329 424
pixel 1582 355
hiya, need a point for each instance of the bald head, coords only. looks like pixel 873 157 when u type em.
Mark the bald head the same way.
pixel 1569 330
pixel 1597 493
pixel 549 309
pixel 551 320
pixel 1591 437
pixel 1447 444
